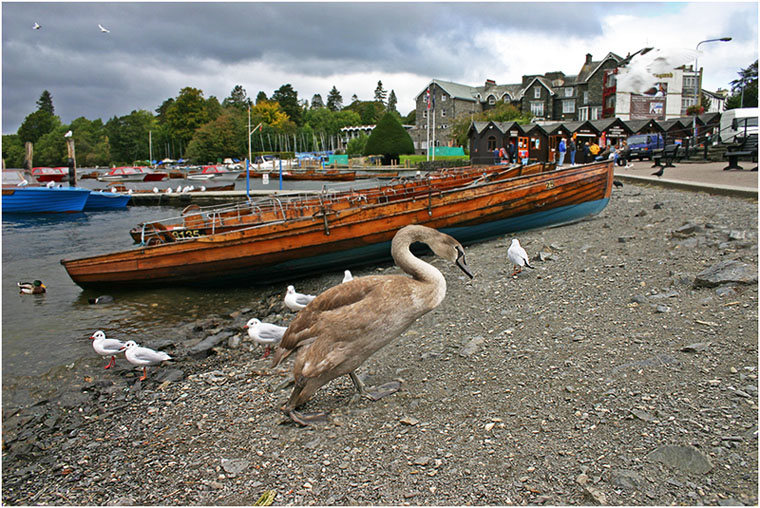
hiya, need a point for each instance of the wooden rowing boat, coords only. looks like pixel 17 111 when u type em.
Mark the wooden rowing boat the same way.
pixel 195 221
pixel 334 240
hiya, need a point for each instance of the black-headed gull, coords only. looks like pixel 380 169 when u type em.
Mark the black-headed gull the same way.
pixel 296 301
pixel 347 276
pixel 106 347
pixel 266 334
pixel 103 29
pixel 143 356
pixel 518 256
pixel 639 73
pixel 36 26
pixel 31 288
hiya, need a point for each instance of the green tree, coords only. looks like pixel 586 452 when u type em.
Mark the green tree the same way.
pixel 238 99
pixel 261 97
pixel 36 125
pixel 220 138
pixel 13 151
pixel 287 97
pixel 334 100
pixel 392 101
pixel 744 89
pixel 50 149
pixel 356 146
pixel 316 101
pixel 186 114
pixel 411 118
pixel 45 102
pixel 129 136
pixel 380 93
pixel 389 139
pixel 213 108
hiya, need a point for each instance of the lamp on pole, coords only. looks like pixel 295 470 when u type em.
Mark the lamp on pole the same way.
pixel 698 87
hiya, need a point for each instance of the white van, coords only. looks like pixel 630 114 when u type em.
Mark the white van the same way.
pixel 737 122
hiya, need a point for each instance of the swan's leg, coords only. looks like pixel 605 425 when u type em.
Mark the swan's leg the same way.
pixel 374 392
pixel 302 391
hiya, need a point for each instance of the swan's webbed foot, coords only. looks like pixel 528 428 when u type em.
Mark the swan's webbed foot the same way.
pixel 374 392
pixel 306 419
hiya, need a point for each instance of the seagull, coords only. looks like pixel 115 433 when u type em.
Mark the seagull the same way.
pixel 659 173
pixel 155 189
pixel 36 26
pixel 638 73
pixel 347 276
pixel 297 301
pixel 31 288
pixel 103 29
pixel 106 347
pixel 265 334
pixel 203 188
pixel 168 190
pixel 68 134
pixel 143 356
pixel 50 184
pixel 518 256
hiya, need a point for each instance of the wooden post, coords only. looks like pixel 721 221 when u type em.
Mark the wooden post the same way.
pixel 28 153
pixel 71 162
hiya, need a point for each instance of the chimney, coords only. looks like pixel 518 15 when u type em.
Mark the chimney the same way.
pixel 588 58
pixel 490 83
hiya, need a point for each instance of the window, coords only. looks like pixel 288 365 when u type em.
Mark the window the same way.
pixel 568 91
pixel 491 100
pixel 506 99
pixel 443 98
pixel 537 109
pixel 585 97
pixel 491 143
pixel 443 112
pixel 583 114
pixel 568 107
pixel 537 92
pixel 596 112
pixel 611 80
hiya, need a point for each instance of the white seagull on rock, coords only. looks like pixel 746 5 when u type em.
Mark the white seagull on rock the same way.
pixel 106 347
pixel 68 134
pixel 143 356
pixel 518 256
pixel 266 334
pixel 297 301
pixel 103 29
pixel 638 73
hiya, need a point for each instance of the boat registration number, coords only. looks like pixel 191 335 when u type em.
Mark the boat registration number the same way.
pixel 187 233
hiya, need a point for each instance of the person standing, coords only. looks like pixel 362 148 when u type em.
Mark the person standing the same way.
pixel 562 150
pixel 511 151
pixel 571 149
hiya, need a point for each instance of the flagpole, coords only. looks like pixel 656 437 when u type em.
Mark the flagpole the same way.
pixel 427 146
pixel 433 99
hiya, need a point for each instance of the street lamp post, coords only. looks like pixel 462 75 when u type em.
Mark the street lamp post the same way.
pixel 699 82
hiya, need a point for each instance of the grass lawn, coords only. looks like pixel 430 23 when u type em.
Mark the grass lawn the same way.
pixel 414 159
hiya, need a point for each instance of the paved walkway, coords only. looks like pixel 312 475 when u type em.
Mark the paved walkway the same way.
pixel 699 176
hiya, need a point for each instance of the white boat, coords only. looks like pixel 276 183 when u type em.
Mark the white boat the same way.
pixel 133 174
pixel 215 173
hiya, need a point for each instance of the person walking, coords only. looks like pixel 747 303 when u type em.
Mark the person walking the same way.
pixel 562 150
pixel 571 149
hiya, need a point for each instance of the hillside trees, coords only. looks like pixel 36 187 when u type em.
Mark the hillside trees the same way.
pixel 222 137
pixel 128 136
pixel 334 100
pixel 287 97
pixel 744 89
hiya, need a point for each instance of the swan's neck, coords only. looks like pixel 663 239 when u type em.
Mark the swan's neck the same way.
pixel 420 271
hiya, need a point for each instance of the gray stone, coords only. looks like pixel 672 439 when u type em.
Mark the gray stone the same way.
pixel 472 347
pixel 726 272
pixel 234 466
pixel 643 415
pixel 727 290
pixel 686 458
pixel 696 347
pixel 686 230
pixel 202 348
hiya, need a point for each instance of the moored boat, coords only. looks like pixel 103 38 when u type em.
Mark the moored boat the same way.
pixel 44 175
pixel 332 239
pixel 215 173
pixel 133 174
pixel 106 200
pixel 20 197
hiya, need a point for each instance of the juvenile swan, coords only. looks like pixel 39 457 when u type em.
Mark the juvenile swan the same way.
pixel 347 323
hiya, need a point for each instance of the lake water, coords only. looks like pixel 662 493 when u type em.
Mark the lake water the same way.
pixel 40 332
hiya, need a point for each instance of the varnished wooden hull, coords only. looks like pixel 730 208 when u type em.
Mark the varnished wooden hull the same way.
pixel 286 250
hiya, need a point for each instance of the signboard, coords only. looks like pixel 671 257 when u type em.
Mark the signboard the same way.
pixel 649 107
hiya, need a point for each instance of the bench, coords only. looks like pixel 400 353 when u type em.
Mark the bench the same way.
pixel 748 146
pixel 668 154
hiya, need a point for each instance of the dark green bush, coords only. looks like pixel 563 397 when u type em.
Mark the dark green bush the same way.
pixel 389 139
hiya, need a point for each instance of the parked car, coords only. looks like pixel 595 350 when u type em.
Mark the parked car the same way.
pixel 640 146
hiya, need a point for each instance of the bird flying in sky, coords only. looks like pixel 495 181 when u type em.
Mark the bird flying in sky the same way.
pixel 36 26
pixel 103 29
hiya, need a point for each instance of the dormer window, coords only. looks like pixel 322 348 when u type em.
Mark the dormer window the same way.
pixel 537 92
pixel 491 100
pixel 568 91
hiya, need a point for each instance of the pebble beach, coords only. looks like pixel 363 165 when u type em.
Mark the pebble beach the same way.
pixel 621 370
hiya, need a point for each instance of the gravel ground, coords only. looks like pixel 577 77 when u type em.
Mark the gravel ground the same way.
pixel 609 374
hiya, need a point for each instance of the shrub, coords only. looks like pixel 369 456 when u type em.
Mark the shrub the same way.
pixel 389 139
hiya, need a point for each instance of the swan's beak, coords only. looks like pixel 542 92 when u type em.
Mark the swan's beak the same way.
pixel 462 262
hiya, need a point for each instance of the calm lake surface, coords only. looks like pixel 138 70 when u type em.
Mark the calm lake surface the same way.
pixel 40 332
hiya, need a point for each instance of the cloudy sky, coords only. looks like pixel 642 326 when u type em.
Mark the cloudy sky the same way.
pixel 154 50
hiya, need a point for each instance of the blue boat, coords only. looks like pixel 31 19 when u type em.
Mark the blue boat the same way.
pixel 43 199
pixel 106 200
